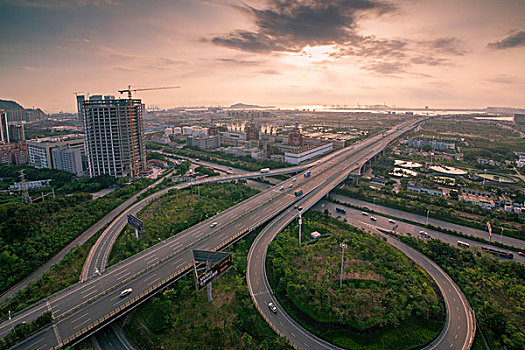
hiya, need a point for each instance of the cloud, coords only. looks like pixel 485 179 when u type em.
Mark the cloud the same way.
pixel 50 4
pixel 290 25
pixel 516 39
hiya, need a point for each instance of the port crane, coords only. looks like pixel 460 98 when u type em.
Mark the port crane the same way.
pixel 129 90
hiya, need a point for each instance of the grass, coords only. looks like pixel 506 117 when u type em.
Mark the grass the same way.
pixel 175 212
pixel 386 301
pixel 181 318
pixel 60 276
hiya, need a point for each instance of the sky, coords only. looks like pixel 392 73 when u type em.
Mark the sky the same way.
pixel 286 53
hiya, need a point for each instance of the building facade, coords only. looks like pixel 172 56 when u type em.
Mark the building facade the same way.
pixel 307 152
pixel 114 136
pixel 60 153
pixel 4 128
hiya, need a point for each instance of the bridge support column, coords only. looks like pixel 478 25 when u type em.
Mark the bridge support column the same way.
pixel 208 288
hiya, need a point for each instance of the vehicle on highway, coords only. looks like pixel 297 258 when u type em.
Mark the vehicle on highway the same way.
pixel 272 307
pixel 265 170
pixel 462 244
pixel 364 214
pixel 197 159
pixel 97 272
pixel 294 179
pixel 213 224
pixel 392 221
pixel 308 173
pixel 424 234
pixel 125 292
pixel 521 253
pixel 298 192
pixel 373 218
pixel 499 253
pixel 230 168
pixel 18 325
pixel 291 185
pixel 340 210
pixel 282 188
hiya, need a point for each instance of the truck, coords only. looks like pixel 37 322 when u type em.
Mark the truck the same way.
pixel 265 170
pixel 340 210
pixel 308 173
pixel 298 192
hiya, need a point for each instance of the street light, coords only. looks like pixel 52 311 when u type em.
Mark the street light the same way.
pixel 300 223
pixel 343 246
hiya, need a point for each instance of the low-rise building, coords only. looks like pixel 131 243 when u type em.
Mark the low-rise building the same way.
pixel 30 185
pixel 415 187
pixel 483 200
pixel 203 141
pixel 61 153
pixel 13 153
pixel 308 152
pixel 490 162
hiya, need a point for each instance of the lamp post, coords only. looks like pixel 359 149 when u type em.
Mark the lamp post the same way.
pixel 300 223
pixel 343 246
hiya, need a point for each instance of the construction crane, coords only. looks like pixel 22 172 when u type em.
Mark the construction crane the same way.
pixel 129 90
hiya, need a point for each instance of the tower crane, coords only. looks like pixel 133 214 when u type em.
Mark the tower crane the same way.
pixel 129 90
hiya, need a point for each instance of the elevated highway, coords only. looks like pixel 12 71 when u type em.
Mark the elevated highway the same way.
pixel 85 307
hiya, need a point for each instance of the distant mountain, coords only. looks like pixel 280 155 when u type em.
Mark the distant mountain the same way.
pixel 245 106
pixel 7 104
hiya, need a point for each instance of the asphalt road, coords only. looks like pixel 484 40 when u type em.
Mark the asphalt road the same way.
pixel 99 254
pixel 83 307
pixel 510 241
pixel 356 218
pixel 459 330
pixel 83 238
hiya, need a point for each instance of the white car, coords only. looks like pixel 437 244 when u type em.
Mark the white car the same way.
pixel 125 292
pixel 272 307
pixel 213 225
pixel 373 218
pixel 364 214
pixel 391 221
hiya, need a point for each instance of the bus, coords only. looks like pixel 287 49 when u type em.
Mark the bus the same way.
pixel 499 253
pixel 462 244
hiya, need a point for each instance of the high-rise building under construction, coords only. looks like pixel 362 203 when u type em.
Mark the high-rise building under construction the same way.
pixel 114 135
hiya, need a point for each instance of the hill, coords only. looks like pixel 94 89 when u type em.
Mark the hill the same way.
pixel 8 104
pixel 245 106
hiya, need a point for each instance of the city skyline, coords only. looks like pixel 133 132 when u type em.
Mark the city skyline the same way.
pixel 282 53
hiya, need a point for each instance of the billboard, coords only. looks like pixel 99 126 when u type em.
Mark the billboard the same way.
pixel 209 265
pixel 136 223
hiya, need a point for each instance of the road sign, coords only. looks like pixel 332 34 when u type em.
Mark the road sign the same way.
pixel 214 264
pixel 136 223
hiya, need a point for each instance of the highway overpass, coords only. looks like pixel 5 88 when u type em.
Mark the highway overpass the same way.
pixel 85 307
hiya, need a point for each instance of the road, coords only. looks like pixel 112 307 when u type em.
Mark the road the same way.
pixel 99 254
pixel 83 238
pixel 459 330
pixel 84 307
pixel 510 241
pixel 356 218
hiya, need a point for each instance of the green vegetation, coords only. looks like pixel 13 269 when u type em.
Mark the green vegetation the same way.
pixel 206 171
pixel 440 208
pixel 177 211
pixel 386 300
pixel 22 331
pixel 181 318
pixel 495 290
pixel 241 162
pixel 59 276
pixel 62 181
pixel 30 234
